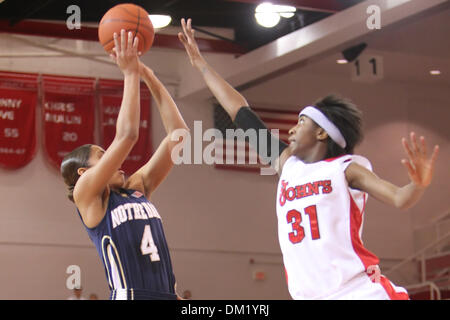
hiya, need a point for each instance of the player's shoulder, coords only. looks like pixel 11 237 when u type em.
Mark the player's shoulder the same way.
pixel 361 160
pixel 345 160
pixel 348 159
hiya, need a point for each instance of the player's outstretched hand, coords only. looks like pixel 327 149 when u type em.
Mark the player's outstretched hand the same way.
pixel 420 166
pixel 188 40
pixel 125 53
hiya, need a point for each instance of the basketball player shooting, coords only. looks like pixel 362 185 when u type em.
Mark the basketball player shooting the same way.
pixel 322 179
pixel 123 224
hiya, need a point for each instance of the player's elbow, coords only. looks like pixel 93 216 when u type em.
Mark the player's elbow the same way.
pixel 129 136
pixel 240 101
pixel 181 127
pixel 236 106
pixel 402 204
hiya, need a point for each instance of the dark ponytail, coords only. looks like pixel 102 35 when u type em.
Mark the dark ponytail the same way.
pixel 78 158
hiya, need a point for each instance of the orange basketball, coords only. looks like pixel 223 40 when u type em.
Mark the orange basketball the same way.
pixel 130 17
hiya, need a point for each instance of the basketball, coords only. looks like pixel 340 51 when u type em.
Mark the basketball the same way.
pixel 130 17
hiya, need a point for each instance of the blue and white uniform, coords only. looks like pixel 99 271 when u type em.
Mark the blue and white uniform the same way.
pixel 130 241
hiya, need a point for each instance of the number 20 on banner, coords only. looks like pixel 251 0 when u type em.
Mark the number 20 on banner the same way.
pixel 368 68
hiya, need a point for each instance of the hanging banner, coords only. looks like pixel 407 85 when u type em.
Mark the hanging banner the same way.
pixel 68 115
pixel 110 98
pixel 18 98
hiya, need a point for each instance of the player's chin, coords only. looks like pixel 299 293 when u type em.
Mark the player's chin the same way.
pixel 297 150
pixel 118 182
pixel 294 148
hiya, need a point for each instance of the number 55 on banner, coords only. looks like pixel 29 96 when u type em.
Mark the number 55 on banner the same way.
pixel 368 68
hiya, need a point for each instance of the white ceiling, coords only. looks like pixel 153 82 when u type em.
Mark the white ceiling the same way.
pixel 427 34
pixel 412 41
pixel 410 49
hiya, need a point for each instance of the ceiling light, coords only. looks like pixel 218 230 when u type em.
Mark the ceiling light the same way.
pixel 268 15
pixel 267 19
pixel 285 11
pixel 341 61
pixel 159 20
pixel 435 72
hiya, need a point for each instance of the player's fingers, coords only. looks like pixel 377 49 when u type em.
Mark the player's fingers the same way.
pixel 183 26
pixel 182 38
pixel 190 29
pixel 185 42
pixel 434 155
pixel 423 146
pixel 130 40
pixel 407 148
pixel 408 166
pixel 189 25
pixel 116 43
pixel 189 33
pixel 136 45
pixel 415 147
pixel 122 41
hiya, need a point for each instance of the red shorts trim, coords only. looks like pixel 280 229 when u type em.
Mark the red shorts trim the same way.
pixel 393 295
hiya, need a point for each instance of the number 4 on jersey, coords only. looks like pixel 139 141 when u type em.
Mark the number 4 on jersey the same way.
pixel 148 245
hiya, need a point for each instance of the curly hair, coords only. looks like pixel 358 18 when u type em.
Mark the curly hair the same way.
pixel 347 117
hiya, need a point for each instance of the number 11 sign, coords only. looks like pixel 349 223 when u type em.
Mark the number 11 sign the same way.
pixel 368 68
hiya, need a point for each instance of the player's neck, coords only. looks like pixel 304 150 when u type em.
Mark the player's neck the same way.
pixel 315 154
pixel 119 190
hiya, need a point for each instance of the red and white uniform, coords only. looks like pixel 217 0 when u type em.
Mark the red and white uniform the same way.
pixel 320 222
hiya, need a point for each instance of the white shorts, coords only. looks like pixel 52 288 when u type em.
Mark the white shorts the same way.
pixel 363 288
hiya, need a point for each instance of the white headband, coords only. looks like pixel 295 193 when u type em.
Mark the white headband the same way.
pixel 318 117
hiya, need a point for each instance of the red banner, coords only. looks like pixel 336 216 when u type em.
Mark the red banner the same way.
pixel 68 115
pixel 18 98
pixel 111 92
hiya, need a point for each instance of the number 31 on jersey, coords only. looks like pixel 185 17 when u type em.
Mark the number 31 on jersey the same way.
pixel 298 232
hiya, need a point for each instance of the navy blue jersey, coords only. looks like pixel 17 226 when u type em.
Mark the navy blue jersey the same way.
pixel 132 246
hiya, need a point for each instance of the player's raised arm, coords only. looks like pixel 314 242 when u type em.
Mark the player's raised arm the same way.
pixel 231 100
pixel 227 96
pixel 93 180
pixel 156 169
pixel 420 170
pixel 170 115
